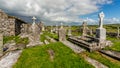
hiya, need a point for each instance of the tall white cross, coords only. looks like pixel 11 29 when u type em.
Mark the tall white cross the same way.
pixel 101 16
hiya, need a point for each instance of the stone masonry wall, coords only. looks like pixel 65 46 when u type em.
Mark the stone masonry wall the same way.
pixel 10 25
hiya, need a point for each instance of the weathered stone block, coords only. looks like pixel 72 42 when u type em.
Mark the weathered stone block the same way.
pixel 62 34
pixel 101 34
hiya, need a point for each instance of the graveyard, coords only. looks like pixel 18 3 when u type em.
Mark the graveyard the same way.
pixel 46 36
pixel 59 48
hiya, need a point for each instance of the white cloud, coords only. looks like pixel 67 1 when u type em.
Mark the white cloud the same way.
pixel 112 20
pixel 52 10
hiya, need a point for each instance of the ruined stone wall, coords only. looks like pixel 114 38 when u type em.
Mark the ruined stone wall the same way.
pixel 10 25
pixel 10 28
pixel 18 24
pixel 25 28
pixel 6 24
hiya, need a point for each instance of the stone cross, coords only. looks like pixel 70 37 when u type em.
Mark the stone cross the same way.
pixel 101 16
pixel 34 18
pixel 101 32
pixel 34 37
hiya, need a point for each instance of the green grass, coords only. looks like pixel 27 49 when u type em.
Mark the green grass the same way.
pixel 108 62
pixel 116 44
pixel 17 39
pixel 38 57
pixel 42 37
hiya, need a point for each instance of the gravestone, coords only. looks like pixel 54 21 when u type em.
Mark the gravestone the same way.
pixel 69 31
pixel 62 33
pixel 34 36
pixel 84 30
pixel 91 31
pixel 1 44
pixel 101 32
pixel 51 29
pixel 41 26
pixel 56 29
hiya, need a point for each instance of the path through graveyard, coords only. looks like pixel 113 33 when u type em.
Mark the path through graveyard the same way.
pixel 8 60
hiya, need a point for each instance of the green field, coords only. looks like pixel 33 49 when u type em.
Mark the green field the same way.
pixel 38 57
pixel 116 43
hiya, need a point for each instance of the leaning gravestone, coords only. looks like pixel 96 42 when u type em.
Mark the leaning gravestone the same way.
pixel 1 44
pixel 62 33
pixel 101 32
pixel 34 36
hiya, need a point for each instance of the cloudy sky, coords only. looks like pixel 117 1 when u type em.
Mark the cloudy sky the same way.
pixel 70 12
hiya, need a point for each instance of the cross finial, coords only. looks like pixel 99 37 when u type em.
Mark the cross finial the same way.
pixel 34 18
pixel 101 15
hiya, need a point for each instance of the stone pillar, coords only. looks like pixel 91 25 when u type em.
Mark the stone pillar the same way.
pixel 1 44
pixel 62 34
pixel 101 32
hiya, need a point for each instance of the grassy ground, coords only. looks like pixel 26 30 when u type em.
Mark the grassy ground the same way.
pixel 111 63
pixel 116 44
pixel 17 39
pixel 38 57
pixel 55 36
